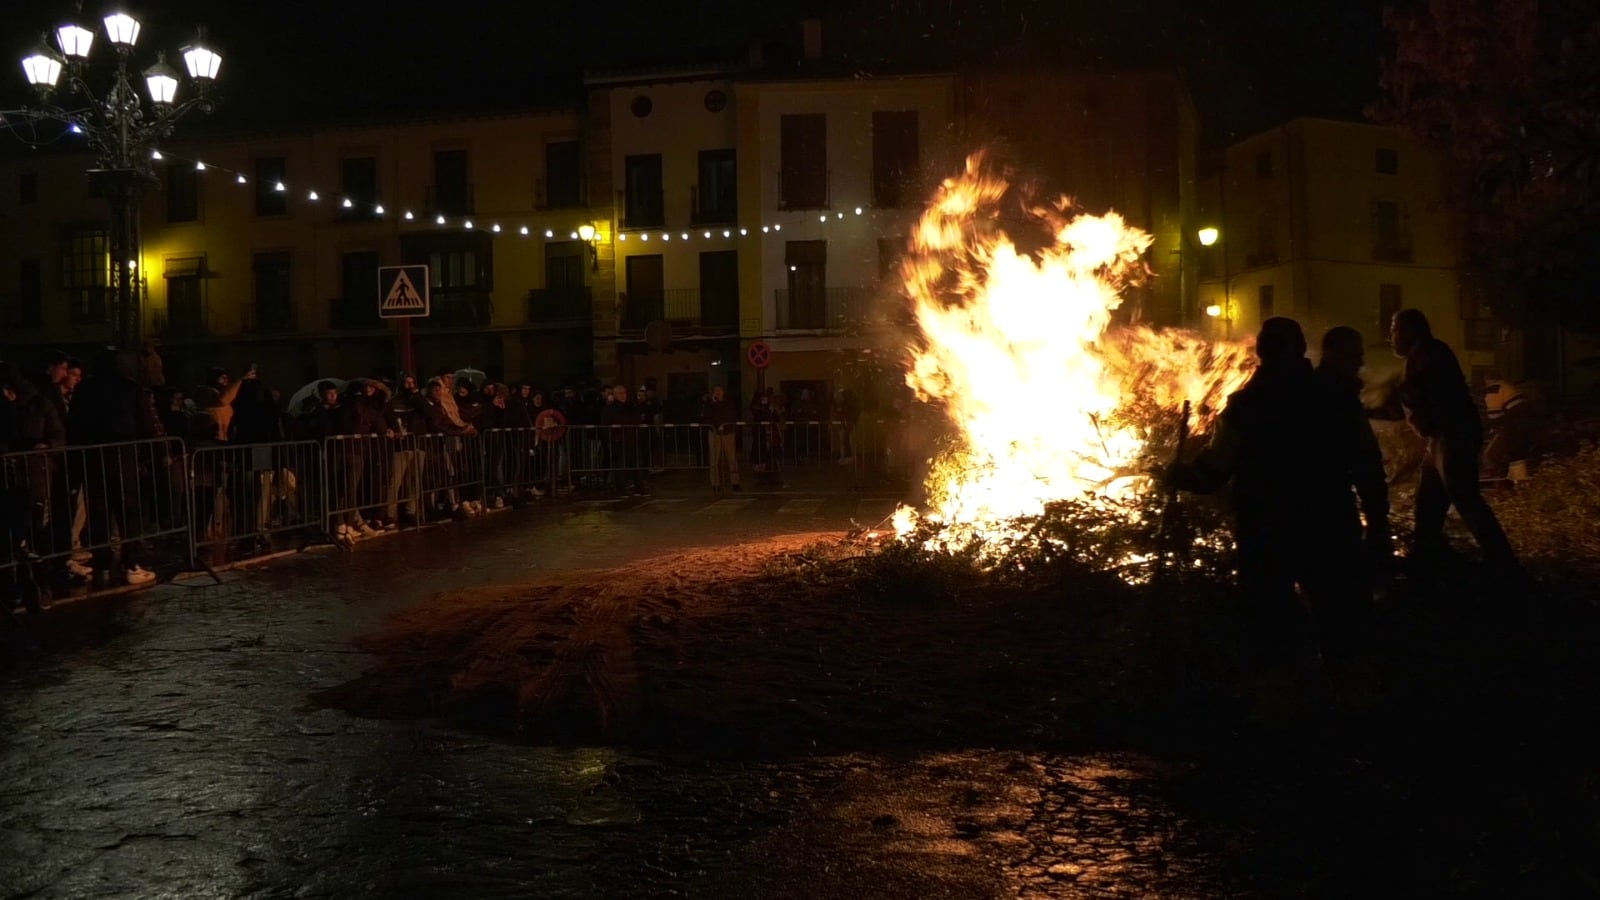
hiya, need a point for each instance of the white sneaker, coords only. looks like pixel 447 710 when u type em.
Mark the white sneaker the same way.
pixel 536 492
pixel 138 575
pixel 497 503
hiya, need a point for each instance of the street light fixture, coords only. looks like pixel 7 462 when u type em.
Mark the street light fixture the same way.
pixel 586 234
pixel 1208 236
pixel 123 132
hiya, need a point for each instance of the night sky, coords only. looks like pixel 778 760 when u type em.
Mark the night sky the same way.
pixel 1252 63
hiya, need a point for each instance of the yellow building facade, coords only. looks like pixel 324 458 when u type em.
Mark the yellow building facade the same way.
pixel 1337 223
pixel 265 249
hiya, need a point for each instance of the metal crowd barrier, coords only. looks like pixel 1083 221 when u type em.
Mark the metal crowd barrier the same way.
pixel 523 463
pixel 366 478
pixel 90 505
pixel 229 502
pixel 451 471
pixel 244 497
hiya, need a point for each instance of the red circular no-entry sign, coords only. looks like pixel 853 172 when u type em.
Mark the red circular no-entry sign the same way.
pixel 550 425
pixel 759 354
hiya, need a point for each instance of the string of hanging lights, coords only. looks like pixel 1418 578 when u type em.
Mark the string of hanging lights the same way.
pixel 520 228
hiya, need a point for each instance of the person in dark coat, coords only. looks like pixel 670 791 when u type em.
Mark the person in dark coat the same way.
pixel 1437 403
pixel 721 416
pixel 112 407
pixel 1343 357
pixel 1290 449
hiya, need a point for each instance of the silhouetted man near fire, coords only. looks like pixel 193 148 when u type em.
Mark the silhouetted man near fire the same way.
pixel 1438 405
pixel 1290 449
pixel 1343 356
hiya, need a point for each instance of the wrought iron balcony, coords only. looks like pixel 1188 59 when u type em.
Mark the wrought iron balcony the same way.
pixel 683 308
pixel 829 309
pixel 560 306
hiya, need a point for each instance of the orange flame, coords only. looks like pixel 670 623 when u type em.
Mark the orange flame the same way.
pixel 1021 352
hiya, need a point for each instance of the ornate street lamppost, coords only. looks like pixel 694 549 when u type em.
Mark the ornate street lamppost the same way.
pixel 122 131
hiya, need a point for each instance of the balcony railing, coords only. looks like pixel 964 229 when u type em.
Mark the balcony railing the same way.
pixel 450 200
pixel 643 209
pixel 1266 257
pixel 560 306
pixel 1393 253
pixel 683 308
pixel 354 314
pixel 458 310
pixel 181 324
pixel 276 317
pixel 800 188
pixel 562 197
pixel 830 309
pixel 706 210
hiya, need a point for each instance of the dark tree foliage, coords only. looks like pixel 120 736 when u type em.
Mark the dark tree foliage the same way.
pixel 1510 91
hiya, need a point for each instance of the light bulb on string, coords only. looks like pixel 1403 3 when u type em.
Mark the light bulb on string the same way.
pixel 408 216
pixel 439 219
pixel 708 235
pixel 495 228
pixel 240 179
pixel 378 210
pixel 727 233
pixel 156 154
pixel 348 203
pixel 743 232
pixel 622 237
pixel 199 166
pixel 666 237
pixel 858 210
pixel 840 216
pixel 777 228
pixel 467 224
pixel 644 237
pixel 686 235
pixel 824 218
pixel 549 233
pixel 764 229
pixel 312 196
pixel 75 128
pixel 523 231
pixel 573 236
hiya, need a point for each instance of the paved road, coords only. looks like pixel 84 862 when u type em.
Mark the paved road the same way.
pixel 173 754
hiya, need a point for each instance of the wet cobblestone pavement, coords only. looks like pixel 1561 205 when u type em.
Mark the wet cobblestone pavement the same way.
pixel 174 753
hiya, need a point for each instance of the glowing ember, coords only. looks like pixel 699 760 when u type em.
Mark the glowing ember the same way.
pixel 1020 351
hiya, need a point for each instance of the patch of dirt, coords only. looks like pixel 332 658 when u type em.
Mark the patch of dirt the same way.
pixel 779 644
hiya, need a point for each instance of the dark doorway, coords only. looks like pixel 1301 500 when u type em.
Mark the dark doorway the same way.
pixel 719 290
pixel 646 292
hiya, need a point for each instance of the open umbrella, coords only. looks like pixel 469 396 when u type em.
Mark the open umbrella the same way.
pixel 475 376
pixel 298 399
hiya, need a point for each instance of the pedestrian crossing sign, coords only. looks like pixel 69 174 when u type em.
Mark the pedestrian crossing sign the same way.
pixel 403 292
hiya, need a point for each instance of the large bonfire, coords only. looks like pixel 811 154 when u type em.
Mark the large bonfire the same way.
pixel 1048 395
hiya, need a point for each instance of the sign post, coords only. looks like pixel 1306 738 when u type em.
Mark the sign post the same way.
pixel 403 294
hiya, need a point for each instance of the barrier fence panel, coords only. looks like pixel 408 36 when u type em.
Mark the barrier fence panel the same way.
pixel 452 473
pixel 97 505
pixel 369 478
pixel 243 496
pixel 524 463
